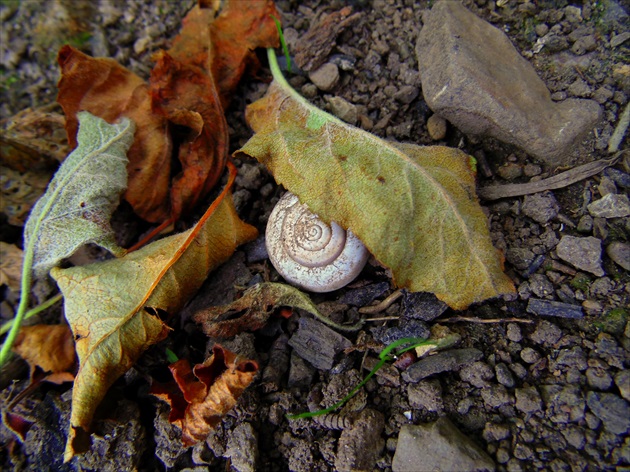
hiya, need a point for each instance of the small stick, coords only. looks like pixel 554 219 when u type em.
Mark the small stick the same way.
pixel 457 319
pixel 384 305
pixel 564 179
pixel 620 131
pixel 383 318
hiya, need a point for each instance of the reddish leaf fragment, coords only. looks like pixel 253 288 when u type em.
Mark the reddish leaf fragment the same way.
pixel 236 33
pixel 108 90
pixel 18 424
pixel 202 396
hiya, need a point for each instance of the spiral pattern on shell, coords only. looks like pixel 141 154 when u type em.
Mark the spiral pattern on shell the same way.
pixel 309 253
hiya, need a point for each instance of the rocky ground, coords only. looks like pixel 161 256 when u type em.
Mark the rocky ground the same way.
pixel 539 380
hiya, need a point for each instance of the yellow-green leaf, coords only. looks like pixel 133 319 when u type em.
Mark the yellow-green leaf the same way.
pixel 414 207
pixel 112 306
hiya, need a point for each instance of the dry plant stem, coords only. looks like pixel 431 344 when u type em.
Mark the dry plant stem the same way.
pixel 467 319
pixel 32 312
pixel 384 305
pixel 620 131
pixel 383 318
pixel 564 179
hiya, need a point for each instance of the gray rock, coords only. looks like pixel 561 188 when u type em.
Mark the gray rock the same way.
pixel 598 377
pixel 300 372
pixel 477 374
pixel 495 396
pixel 528 400
pixel 582 253
pixel 546 333
pixel 611 409
pixel 326 77
pixel 530 355
pixel 317 343
pixel 610 206
pixel 407 94
pixel 541 207
pixel 421 305
pixel 363 295
pixel 573 358
pixel 242 448
pixel 579 88
pixel 541 286
pixel 564 403
pixel 622 380
pixel 520 257
pixel 474 77
pixel 446 361
pixel 438 446
pixel 504 376
pixel 343 109
pixel 619 252
pixel 426 394
pixel 556 309
pixel 514 332
pixel 495 432
pixel 361 444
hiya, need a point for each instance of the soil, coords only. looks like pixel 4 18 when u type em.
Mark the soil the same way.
pixel 533 392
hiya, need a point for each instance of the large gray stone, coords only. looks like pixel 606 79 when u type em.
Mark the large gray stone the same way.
pixel 474 77
pixel 438 446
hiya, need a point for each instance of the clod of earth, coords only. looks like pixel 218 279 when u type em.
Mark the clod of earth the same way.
pixel 308 252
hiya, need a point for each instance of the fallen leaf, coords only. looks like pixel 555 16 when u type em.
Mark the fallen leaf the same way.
pixel 112 306
pixel 192 84
pixel 20 191
pixel 257 304
pixel 414 207
pixel 50 348
pixel 108 90
pixel 202 396
pixel 236 33
pixel 81 198
pixel 10 266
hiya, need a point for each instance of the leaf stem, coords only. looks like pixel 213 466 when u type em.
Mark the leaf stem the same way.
pixel 32 312
pixel 25 289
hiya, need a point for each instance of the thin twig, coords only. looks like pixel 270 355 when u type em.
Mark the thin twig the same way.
pixel 384 305
pixel 383 318
pixel 564 179
pixel 620 131
pixel 469 319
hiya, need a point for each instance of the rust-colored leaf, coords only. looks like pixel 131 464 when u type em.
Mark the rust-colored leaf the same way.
pixel 236 33
pixel 108 90
pixel 202 396
pixel 49 347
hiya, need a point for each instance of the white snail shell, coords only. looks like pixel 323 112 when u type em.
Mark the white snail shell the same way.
pixel 309 253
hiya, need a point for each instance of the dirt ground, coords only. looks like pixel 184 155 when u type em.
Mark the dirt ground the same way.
pixel 533 393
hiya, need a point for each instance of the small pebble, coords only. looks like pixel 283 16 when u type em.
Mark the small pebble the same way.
pixel 610 206
pixel 326 77
pixel 504 376
pixel 619 252
pixel 582 253
pixel 551 308
pixel 436 126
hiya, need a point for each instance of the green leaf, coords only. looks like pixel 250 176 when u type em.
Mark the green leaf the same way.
pixel 414 207
pixel 81 198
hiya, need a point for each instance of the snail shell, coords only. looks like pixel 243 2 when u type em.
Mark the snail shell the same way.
pixel 309 253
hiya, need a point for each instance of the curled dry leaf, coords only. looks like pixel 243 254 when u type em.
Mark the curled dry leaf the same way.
pixel 112 306
pixel 253 309
pixel 50 348
pixel 413 207
pixel 200 397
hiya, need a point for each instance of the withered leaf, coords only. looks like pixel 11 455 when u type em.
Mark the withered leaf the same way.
pixel 111 306
pixel 108 90
pixel 200 397
pixel 253 309
pixel 50 348
pixel 10 266
pixel 414 207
